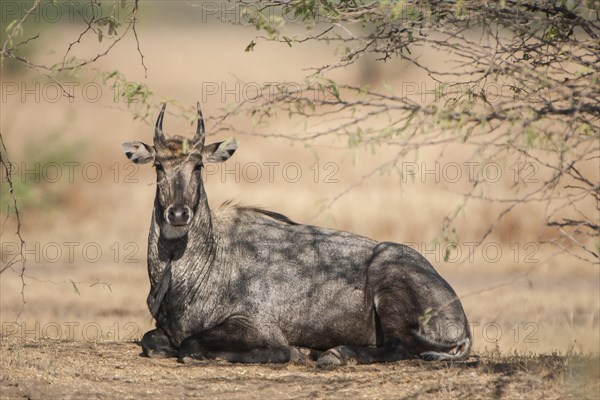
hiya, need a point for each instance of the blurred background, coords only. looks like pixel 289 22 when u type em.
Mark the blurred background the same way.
pixel 86 212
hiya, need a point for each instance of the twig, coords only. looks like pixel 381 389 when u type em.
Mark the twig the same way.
pixel 8 170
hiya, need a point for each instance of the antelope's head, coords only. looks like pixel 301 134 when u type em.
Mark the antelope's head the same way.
pixel 178 162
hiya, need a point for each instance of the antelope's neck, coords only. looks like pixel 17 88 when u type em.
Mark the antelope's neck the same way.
pixel 195 250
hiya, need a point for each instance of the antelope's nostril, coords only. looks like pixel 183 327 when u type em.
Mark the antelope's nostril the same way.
pixel 178 215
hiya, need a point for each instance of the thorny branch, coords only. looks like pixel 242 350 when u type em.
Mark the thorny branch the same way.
pixel 52 72
pixel 520 80
pixel 6 165
pixel 74 64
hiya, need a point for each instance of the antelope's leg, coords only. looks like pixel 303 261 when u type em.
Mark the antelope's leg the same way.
pixel 156 344
pixel 254 356
pixel 342 355
pixel 236 341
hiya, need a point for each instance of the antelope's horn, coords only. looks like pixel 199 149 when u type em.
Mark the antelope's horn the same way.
pixel 200 128
pixel 159 136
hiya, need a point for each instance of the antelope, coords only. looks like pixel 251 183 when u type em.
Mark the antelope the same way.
pixel 249 285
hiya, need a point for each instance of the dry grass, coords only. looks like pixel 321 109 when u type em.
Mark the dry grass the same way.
pixel 66 369
pixel 539 307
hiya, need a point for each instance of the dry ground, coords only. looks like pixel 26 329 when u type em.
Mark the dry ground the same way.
pixel 530 300
pixel 48 369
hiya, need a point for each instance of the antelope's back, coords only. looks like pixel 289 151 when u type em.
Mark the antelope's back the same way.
pixel 308 279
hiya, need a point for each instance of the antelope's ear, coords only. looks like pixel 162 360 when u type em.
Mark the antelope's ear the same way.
pixel 219 152
pixel 138 152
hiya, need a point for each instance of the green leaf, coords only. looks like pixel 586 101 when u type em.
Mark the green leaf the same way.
pixel 388 87
pixel 75 287
pixel 250 47
pixel 10 26
pixel 335 89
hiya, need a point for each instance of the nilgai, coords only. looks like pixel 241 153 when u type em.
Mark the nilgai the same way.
pixel 249 285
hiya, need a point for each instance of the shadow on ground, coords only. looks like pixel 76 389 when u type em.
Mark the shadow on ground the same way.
pixel 43 369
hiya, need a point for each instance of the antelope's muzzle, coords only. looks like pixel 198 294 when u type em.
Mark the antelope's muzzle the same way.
pixel 178 215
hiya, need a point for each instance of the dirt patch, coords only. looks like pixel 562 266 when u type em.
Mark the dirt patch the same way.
pixel 45 369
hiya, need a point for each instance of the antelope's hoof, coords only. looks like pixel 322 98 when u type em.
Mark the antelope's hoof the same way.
pixel 331 358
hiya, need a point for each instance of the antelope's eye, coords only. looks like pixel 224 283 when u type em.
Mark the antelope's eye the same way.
pixel 159 167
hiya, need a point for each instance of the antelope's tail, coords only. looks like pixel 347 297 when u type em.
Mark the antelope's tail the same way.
pixel 443 351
